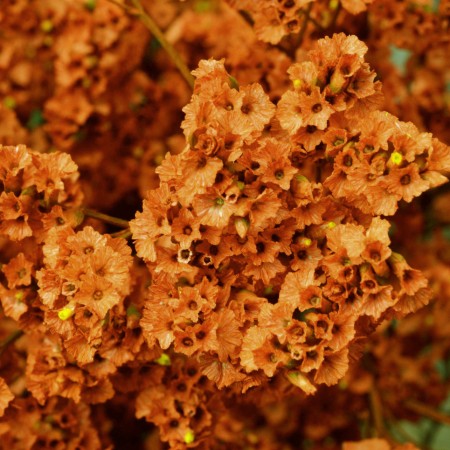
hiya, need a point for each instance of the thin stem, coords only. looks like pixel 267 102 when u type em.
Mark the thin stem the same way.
pixel 306 13
pixel 10 340
pixel 396 426
pixel 316 24
pixel 377 412
pixel 294 41
pixel 125 7
pixel 427 411
pixel 125 234
pixel 165 44
pixel 105 218
pixel 335 16
pixel 247 17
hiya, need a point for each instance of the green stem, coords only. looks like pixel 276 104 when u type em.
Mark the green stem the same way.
pixel 105 218
pixel 124 234
pixel 377 413
pixel 10 340
pixel 335 16
pixel 166 45
pixel 427 411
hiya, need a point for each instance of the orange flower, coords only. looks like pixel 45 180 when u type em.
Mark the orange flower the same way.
pixel 18 271
pixel 5 396
pixel 405 183
pixel 343 330
pixel 223 374
pixel 228 334
pixel 97 293
pixel 407 304
pixel 212 209
pixel 258 351
pixel 306 255
pixel 49 173
pixel 256 106
pixel 14 216
pixel 265 271
pixel 346 236
pixel 199 173
pixel 333 367
pixel 151 223
pixel 294 284
pixel 264 208
pixel 374 304
pixel 157 324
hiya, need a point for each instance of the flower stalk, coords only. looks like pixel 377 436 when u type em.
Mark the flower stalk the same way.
pixel 13 337
pixel 105 218
pixel 151 25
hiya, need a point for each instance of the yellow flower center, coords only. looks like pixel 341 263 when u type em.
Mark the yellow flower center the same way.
pixel 46 26
pixel 66 313
pixel 305 241
pixel 189 437
pixel 163 360
pixel 396 158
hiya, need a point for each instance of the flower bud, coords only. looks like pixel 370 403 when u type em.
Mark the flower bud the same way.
pixel 242 225
pixel 189 436
pixel 67 312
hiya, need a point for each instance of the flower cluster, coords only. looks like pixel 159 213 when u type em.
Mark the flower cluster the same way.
pixel 58 424
pixel 35 188
pixel 258 300
pixel 259 266
pixel 73 81
pixel 276 19
pixel 85 276
pixel 39 192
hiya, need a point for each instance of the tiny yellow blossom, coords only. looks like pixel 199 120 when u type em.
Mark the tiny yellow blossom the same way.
pixel 66 313
pixel 396 158
pixel 47 26
pixel 305 241
pixel 163 360
pixel 189 437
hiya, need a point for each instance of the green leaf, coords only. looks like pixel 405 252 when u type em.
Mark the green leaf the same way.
pixel 443 368
pixel 35 120
pixel 446 233
pixel 399 57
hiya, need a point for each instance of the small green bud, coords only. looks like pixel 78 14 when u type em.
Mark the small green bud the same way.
pixel 233 83
pixel 9 102
pixel 163 360
pixel 90 4
pixel 133 311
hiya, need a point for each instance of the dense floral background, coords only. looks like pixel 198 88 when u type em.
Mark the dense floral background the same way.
pixel 252 256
